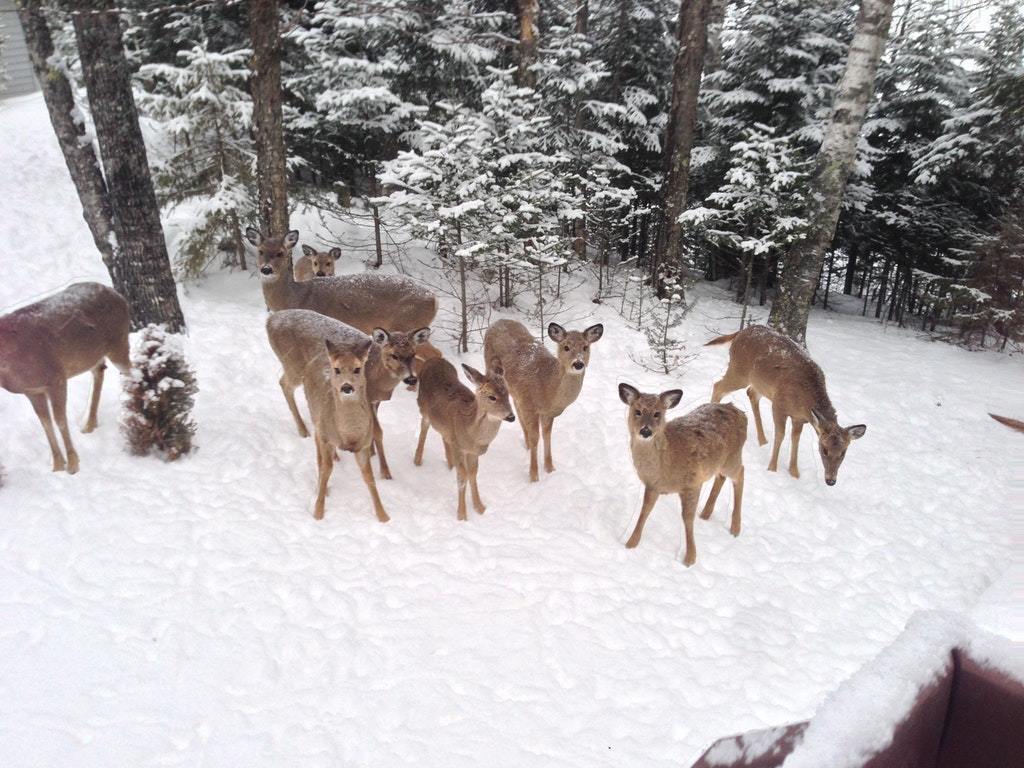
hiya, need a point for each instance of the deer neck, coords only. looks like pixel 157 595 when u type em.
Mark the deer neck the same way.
pixel 567 388
pixel 483 429
pixel 352 418
pixel 283 293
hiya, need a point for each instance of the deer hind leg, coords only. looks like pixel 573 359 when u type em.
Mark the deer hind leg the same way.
pixel 424 428
pixel 324 466
pixel 120 355
pixel 755 404
pixel 288 388
pixel 521 418
pixel 363 459
pixel 709 505
pixel 780 432
pixel 794 447
pixel 737 502
pixel 531 424
pixel 378 440
pixel 689 499
pixel 449 454
pixel 650 496
pixel 460 469
pixel 730 382
pixel 58 394
pixel 94 403
pixel 42 408
pixel 546 423
pixel 472 465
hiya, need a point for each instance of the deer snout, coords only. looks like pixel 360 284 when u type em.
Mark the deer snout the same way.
pixel 321 273
pixel 510 418
pixel 347 389
pixel 410 380
pixel 266 269
pixel 578 365
pixel 830 481
pixel 645 432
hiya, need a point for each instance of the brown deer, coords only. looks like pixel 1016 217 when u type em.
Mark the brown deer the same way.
pixel 683 454
pixel 296 336
pixel 316 263
pixel 335 382
pixel 542 385
pixel 772 365
pixel 1014 424
pixel 468 421
pixel 44 344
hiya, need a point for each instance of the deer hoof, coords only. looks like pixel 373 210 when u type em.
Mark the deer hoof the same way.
pixel 735 530
pixel 72 464
pixel 318 514
pixel 385 473
pixel 549 468
pixel 690 559
pixel 762 440
pixel 383 517
pixel 706 514
pixel 303 432
pixel 794 472
pixel 89 427
pixel 773 468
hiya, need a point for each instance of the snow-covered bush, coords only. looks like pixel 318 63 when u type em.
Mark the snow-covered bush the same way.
pixel 158 397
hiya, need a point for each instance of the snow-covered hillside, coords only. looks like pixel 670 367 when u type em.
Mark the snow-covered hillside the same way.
pixel 196 614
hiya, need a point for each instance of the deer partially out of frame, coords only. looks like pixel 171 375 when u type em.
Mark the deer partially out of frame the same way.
pixel 542 385
pixel 772 365
pixel 1014 424
pixel 296 336
pixel 44 344
pixel 468 421
pixel 316 263
pixel 683 454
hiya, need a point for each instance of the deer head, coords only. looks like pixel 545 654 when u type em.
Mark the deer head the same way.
pixel 398 352
pixel 574 346
pixel 274 254
pixel 491 393
pixel 348 367
pixel 322 261
pixel 645 418
pixel 833 441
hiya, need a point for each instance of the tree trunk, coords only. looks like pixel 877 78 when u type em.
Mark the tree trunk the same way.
pixel 691 36
pixel 529 10
pixel 143 263
pixel 271 160
pixel 78 151
pixel 832 169
pixel 716 21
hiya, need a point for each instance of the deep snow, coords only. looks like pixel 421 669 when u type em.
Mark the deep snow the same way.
pixel 195 613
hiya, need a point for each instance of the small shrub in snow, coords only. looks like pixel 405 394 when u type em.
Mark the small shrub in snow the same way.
pixel 158 397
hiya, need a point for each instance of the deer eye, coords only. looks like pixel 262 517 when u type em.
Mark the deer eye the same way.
pixel 356 370
pixel 585 347
pixel 657 414
pixel 566 347
pixel 637 413
pixel 394 357
pixel 493 399
pixel 337 370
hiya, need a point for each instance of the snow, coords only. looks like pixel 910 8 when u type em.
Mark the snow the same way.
pixel 196 613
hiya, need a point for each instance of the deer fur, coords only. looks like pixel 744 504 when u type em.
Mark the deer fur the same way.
pixel 542 385
pixel 315 263
pixel 772 365
pixel 681 455
pixel 467 420
pixel 296 336
pixel 1014 424
pixel 44 344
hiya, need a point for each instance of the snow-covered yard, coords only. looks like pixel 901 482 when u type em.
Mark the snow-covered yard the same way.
pixel 196 614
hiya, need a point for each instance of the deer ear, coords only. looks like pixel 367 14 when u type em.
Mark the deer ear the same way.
pixel 556 332
pixel 291 238
pixel 308 251
pixel 254 236
pixel 497 370
pixel 332 348
pixel 594 333
pixel 856 431
pixel 628 393
pixel 381 336
pixel 422 336
pixel 363 350
pixel 474 375
pixel 815 421
pixel 671 398
pixel 335 253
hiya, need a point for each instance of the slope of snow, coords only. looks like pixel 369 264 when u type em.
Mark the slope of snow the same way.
pixel 195 613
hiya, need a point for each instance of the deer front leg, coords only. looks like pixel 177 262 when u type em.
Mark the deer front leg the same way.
pixel 780 432
pixel 363 458
pixel 650 496
pixel 58 394
pixel 546 424
pixel 531 423
pixel 324 466
pixel 42 408
pixel 755 404
pixel 378 440
pixel 737 502
pixel 289 395
pixel 424 428
pixel 689 499
pixel 709 505
pixel 795 445
pixel 472 465
pixel 94 403
pixel 461 472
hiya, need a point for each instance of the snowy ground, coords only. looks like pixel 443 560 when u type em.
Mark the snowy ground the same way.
pixel 196 614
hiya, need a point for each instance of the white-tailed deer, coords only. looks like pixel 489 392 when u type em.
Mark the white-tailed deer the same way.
pixel 296 336
pixel 316 263
pixel 1014 424
pixel 334 380
pixel 772 365
pixel 46 343
pixel 683 454
pixel 542 385
pixel 468 421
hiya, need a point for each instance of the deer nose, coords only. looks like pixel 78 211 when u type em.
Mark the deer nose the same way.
pixel 645 432
pixel 578 365
pixel 410 380
pixel 320 274
pixel 266 269
pixel 830 481
pixel 348 389
pixel 510 418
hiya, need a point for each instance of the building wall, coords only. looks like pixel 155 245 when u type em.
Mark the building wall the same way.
pixel 18 77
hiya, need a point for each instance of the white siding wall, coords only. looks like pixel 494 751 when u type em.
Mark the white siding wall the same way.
pixel 18 77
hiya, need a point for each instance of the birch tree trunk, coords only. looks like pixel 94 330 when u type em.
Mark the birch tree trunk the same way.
pixel 529 10
pixel 141 251
pixel 716 21
pixel 271 160
pixel 833 164
pixel 692 39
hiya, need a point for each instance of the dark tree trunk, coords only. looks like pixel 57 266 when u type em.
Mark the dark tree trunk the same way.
pixel 143 263
pixel 529 11
pixel 832 169
pixel 271 160
pixel 851 271
pixel 691 37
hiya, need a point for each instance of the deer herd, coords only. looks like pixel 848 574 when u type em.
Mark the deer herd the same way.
pixel 350 340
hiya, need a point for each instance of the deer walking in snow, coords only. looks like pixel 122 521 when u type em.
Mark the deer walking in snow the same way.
pixel 315 263
pixel 772 365
pixel 542 385
pixel 44 344
pixel 681 455
pixel 468 421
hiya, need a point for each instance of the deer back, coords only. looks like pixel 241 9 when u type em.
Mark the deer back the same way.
pixel 532 372
pixel 367 301
pixel 448 404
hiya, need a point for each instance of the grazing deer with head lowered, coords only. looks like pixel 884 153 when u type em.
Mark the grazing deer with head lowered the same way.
pixel 296 336
pixel 468 421
pixel 316 263
pixel 772 365
pixel 44 344
pixel 681 455
pixel 542 385
pixel 335 382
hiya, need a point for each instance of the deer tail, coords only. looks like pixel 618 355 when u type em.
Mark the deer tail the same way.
pixel 1011 423
pixel 722 339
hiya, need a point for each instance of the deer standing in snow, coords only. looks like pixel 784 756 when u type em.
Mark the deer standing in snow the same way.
pixel 772 365
pixel 296 336
pixel 681 455
pixel 44 344
pixel 468 421
pixel 542 385
pixel 315 263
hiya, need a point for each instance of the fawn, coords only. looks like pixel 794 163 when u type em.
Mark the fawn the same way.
pixel 772 365
pixel 315 264
pixel 44 344
pixel 542 385
pixel 681 455
pixel 468 421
